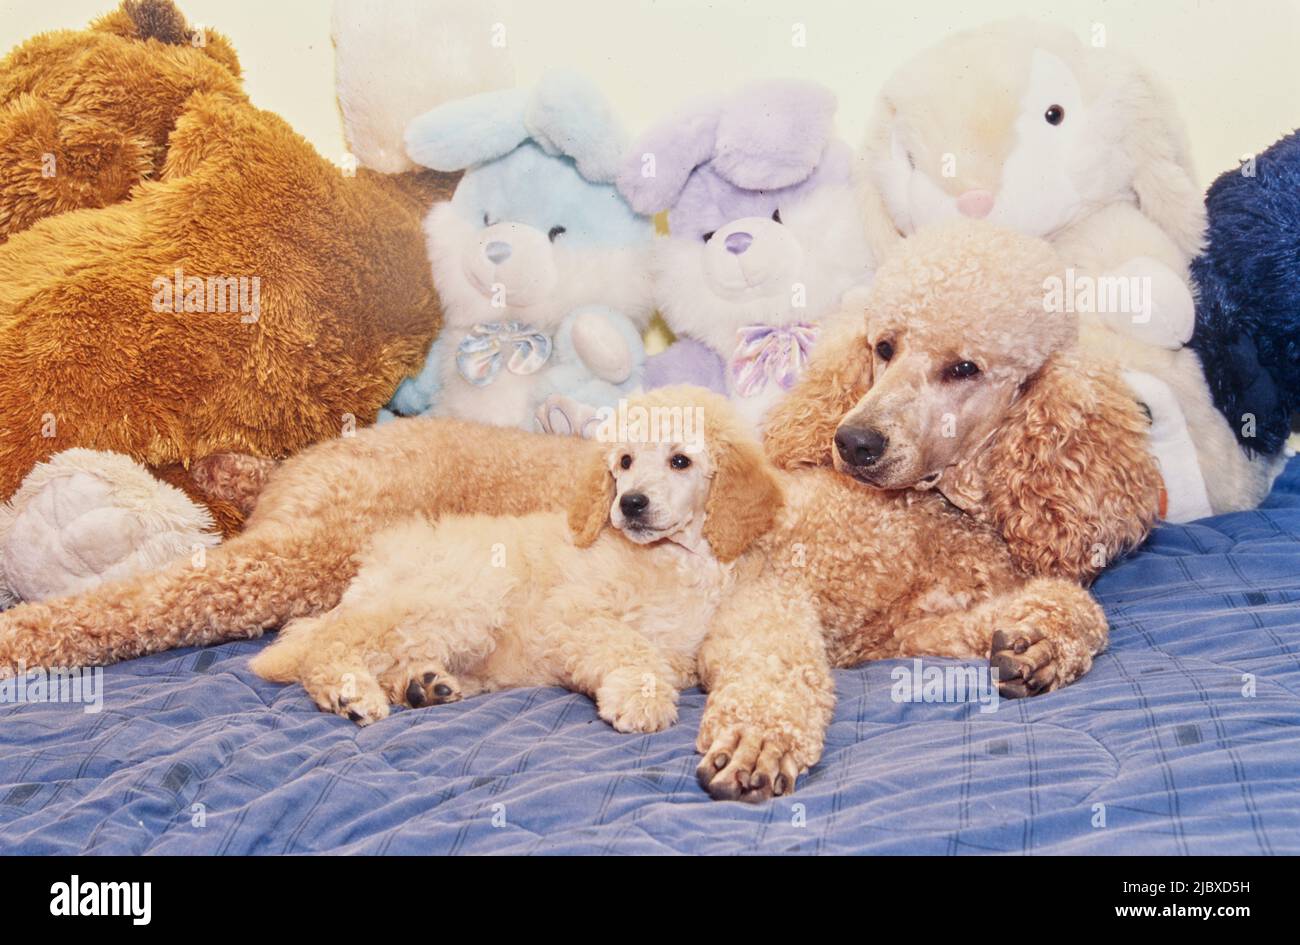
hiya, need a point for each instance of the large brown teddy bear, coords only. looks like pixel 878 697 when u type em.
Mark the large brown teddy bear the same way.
pixel 183 276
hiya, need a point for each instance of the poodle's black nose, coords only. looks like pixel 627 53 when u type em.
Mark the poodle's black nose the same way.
pixel 859 446
pixel 633 503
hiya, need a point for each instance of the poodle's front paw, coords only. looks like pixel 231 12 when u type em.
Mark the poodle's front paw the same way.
pixel 749 763
pixel 1027 662
pixel 355 696
pixel 633 700
pixel 430 684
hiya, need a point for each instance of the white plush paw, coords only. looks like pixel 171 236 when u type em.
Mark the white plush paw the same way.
pixel 633 700
pixel 600 346
pixel 565 416
pixel 1161 311
pixel 85 517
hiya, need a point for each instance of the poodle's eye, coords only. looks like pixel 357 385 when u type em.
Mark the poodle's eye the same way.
pixel 1054 115
pixel 776 215
pixel 625 462
pixel 709 235
pixel 962 370
pixel 554 232
pixel 884 350
pixel 679 461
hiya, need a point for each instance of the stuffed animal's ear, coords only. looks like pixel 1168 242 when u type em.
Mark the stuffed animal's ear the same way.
pixel 592 500
pixel 882 233
pixel 568 115
pixel 744 496
pixel 772 134
pixel 1163 178
pixel 800 429
pixel 1068 479
pixel 470 131
pixel 659 162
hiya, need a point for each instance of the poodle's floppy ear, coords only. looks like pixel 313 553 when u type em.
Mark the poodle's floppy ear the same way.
pixel 567 115
pixel 1163 177
pixel 1068 479
pixel 592 500
pixel 744 496
pixel 878 145
pixel 658 164
pixel 772 134
pixel 470 131
pixel 800 429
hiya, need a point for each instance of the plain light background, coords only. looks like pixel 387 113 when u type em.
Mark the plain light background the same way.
pixel 1233 64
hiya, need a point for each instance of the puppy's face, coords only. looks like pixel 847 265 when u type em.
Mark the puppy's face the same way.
pixel 660 489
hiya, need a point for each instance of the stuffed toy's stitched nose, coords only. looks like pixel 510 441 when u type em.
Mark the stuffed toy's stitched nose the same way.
pixel 860 447
pixel 738 242
pixel 975 204
pixel 634 503
pixel 497 251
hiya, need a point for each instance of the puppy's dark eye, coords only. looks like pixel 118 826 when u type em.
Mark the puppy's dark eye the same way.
pixel 961 370
pixel 625 462
pixel 884 350
pixel 709 235
pixel 555 231
pixel 1054 115
pixel 776 215
pixel 679 461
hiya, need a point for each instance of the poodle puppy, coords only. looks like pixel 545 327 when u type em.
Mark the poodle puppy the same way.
pixel 847 571
pixel 470 604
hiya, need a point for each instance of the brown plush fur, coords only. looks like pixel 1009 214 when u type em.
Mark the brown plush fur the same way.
pixel 162 164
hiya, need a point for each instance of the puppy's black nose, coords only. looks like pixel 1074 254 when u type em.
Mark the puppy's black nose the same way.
pixel 859 446
pixel 633 503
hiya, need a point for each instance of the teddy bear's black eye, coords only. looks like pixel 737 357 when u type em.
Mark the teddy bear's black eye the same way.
pixel 776 215
pixel 709 235
pixel 625 462
pixel 1054 115
pixel 679 461
pixel 555 231
pixel 884 350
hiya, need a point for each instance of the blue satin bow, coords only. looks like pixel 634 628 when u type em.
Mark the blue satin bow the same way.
pixel 480 354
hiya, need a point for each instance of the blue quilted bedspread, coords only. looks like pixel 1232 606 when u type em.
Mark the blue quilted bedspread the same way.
pixel 1185 738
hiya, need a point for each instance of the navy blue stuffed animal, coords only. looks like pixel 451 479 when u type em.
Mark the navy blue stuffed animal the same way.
pixel 1248 297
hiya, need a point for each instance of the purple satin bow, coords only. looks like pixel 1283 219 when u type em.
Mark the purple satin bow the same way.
pixel 770 354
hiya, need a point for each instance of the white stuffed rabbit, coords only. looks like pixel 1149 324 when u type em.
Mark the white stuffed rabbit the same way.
pixel 1020 124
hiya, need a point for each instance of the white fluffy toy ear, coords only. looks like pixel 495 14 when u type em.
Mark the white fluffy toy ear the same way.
pixel 395 59
pixel 568 115
pixel 1163 177
pixel 471 131
pixel 878 223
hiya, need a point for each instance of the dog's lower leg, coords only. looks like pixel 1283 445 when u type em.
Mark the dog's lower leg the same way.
pixel 248 585
pixel 1039 637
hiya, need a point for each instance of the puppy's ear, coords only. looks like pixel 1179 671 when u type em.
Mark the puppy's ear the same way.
pixel 800 429
pixel 1068 479
pixel 744 497
pixel 591 502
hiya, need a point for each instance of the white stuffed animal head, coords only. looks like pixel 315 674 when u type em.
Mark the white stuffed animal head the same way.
pixel 1021 124
pixel 761 214
pixel 395 59
pixel 535 228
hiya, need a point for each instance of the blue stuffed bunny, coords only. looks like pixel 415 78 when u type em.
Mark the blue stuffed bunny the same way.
pixel 542 268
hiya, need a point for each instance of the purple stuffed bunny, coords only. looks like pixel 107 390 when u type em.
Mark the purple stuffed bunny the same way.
pixel 764 236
